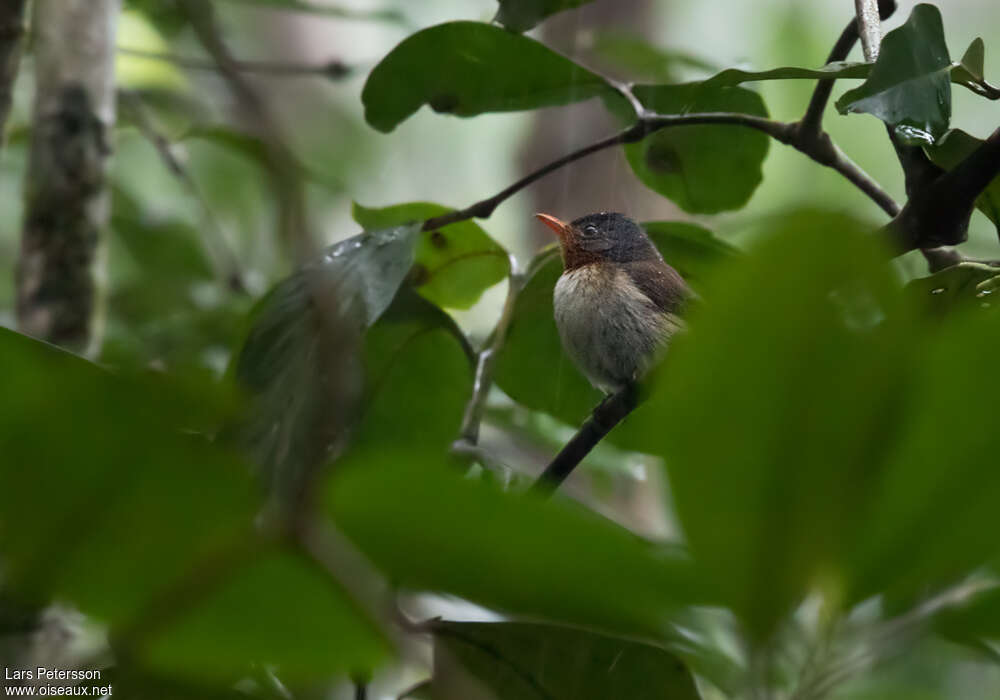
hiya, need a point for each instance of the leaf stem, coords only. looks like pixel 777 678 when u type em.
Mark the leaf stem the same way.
pixel 333 70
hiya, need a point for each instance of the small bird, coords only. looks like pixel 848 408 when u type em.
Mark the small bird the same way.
pixel 617 302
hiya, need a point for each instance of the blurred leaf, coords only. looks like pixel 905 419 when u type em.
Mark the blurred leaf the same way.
pixel 318 7
pixel 300 359
pixel 522 15
pixel 533 369
pixel 515 661
pixel 837 70
pixel 973 623
pixel 771 411
pixel 642 61
pixel 909 87
pixel 951 150
pixel 467 68
pixel 969 71
pixel 423 691
pixel 931 515
pixel 169 249
pixel 703 169
pixel 151 531
pixel 454 265
pixel 429 529
pixel 165 16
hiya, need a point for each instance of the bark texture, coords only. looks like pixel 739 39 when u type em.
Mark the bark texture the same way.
pixel 66 204
pixel 11 38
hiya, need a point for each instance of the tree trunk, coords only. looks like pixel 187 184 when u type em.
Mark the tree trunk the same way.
pixel 67 203
pixel 11 34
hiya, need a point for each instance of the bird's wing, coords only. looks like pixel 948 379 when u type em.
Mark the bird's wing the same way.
pixel 660 283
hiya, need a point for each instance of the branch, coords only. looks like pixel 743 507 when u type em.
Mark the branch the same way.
pixel 938 213
pixel 605 416
pixel 11 35
pixel 869 27
pixel 821 149
pixel 333 70
pixel 226 262
pixel 378 15
pixel 283 166
pixel 812 120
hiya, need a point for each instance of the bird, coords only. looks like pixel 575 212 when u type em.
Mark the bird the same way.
pixel 617 302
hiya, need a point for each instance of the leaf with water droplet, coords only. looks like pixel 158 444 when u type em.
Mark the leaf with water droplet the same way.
pixel 909 86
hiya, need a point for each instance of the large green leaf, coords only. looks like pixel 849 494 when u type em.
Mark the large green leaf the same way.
pixel 522 15
pixel 518 661
pixel 300 359
pixel 107 506
pixel 951 150
pixel 453 265
pixel 909 87
pixel 771 410
pixel 467 68
pixel 704 169
pixel 532 367
pixel 970 71
pixel 428 528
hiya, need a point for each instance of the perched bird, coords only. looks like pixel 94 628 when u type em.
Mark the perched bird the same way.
pixel 617 302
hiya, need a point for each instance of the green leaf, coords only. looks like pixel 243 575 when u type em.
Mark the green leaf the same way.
pixel 429 529
pixel 300 359
pixel 151 531
pixel 532 367
pixel 468 68
pixel 643 61
pixel 975 621
pixel 965 285
pixel 909 87
pixel 837 70
pixel 515 661
pixel 522 15
pixel 418 377
pixel 703 169
pixel 771 410
pixel 951 150
pixel 969 71
pixel 453 265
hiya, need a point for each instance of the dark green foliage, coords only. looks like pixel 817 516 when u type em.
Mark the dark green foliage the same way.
pixel 517 661
pixel 468 68
pixel 704 169
pixel 909 87
pixel 953 147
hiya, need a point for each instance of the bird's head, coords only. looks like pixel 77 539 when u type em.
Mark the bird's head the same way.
pixel 601 237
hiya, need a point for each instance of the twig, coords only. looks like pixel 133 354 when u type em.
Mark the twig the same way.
pixel 821 150
pixel 486 359
pixel 606 416
pixel 334 69
pixel 812 120
pixel 869 27
pixel 378 15
pixel 227 263
pixel 283 165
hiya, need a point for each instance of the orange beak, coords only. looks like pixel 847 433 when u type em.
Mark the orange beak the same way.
pixel 560 227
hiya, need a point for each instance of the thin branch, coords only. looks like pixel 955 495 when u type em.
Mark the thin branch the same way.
pixel 227 263
pixel 333 69
pixel 605 416
pixel 486 360
pixel 389 15
pixel 869 27
pixel 283 165
pixel 822 150
pixel 812 120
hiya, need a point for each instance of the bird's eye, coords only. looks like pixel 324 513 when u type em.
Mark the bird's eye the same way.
pixel 590 231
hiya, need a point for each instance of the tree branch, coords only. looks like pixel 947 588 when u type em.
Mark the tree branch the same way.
pixel 226 262
pixel 333 70
pixel 390 15
pixel 821 149
pixel 869 27
pixel 605 416
pixel 11 36
pixel 283 166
